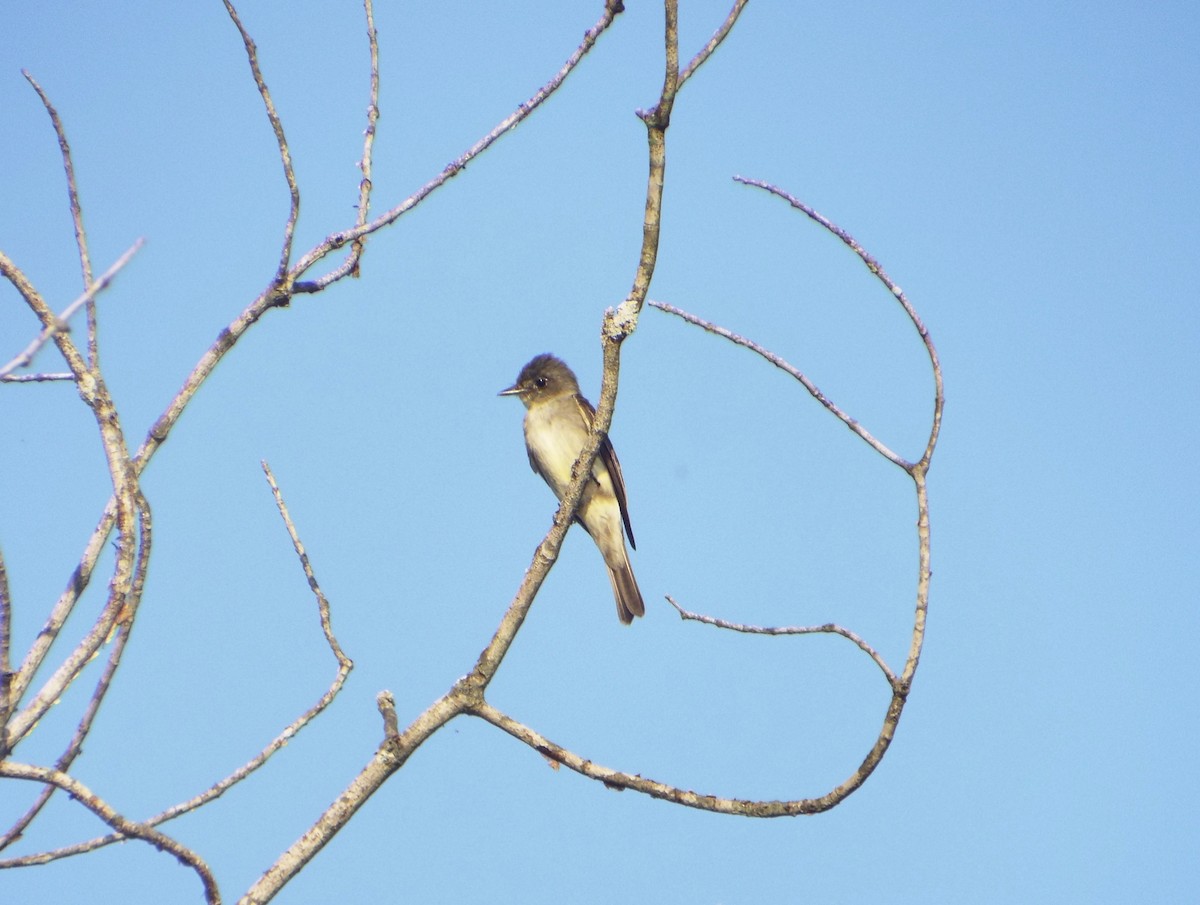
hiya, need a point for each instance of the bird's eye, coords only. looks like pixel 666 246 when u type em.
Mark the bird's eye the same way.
pixel 540 382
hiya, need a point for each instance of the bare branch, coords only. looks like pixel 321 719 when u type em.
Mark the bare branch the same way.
pixel 714 42
pixel 219 788
pixel 345 664
pixel 124 594
pixel 467 695
pixel 364 186
pixel 62 321
pixel 391 755
pixel 115 512
pixel 37 378
pixel 657 119
pixel 828 628
pixel 617 325
pixel 108 814
pixel 924 575
pixel 91 388
pixel 285 154
pixel 611 10
pixel 121 637
pixel 17 830
pixel 881 275
pixel 780 363
pixel 916 470
pixel 6 673
pixel 735 806
pixel 386 702
pixel 46 316
pixel 65 604
pixel 85 263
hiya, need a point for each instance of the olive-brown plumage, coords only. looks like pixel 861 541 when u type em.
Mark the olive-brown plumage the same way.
pixel 558 421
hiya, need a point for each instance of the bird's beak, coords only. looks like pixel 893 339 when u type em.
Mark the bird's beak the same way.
pixel 514 390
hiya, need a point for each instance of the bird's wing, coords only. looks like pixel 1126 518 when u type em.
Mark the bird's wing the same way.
pixel 608 455
pixel 533 463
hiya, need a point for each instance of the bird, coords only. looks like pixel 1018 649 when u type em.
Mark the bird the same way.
pixel 558 420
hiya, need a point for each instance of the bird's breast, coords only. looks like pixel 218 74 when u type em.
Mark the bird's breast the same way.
pixel 555 434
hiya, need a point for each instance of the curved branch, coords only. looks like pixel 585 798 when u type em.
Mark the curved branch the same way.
pixel 120 639
pixel 828 628
pixel 924 575
pixel 91 387
pixel 285 154
pixel 916 470
pixel 85 263
pixel 740 807
pixel 877 270
pixel 108 814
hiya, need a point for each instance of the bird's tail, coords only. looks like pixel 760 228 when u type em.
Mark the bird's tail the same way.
pixel 625 589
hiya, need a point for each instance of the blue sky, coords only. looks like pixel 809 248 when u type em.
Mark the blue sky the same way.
pixel 1027 173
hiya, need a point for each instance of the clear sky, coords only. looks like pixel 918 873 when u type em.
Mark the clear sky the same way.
pixel 1027 172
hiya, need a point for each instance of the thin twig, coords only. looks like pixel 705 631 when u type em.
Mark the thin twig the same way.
pixel 121 638
pixel 916 470
pixel 229 336
pixel 63 764
pixel 219 788
pixel 6 674
pixel 829 628
pixel 108 814
pixel 715 803
pixel 37 378
pixel 452 169
pixel 919 469
pixel 85 263
pixel 344 663
pixel 91 387
pixel 880 274
pixel 714 42
pixel 364 185
pixel 62 321
pixel 783 365
pixel 285 154
pixel 657 120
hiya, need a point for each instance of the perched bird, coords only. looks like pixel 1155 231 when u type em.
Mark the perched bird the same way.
pixel 557 423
